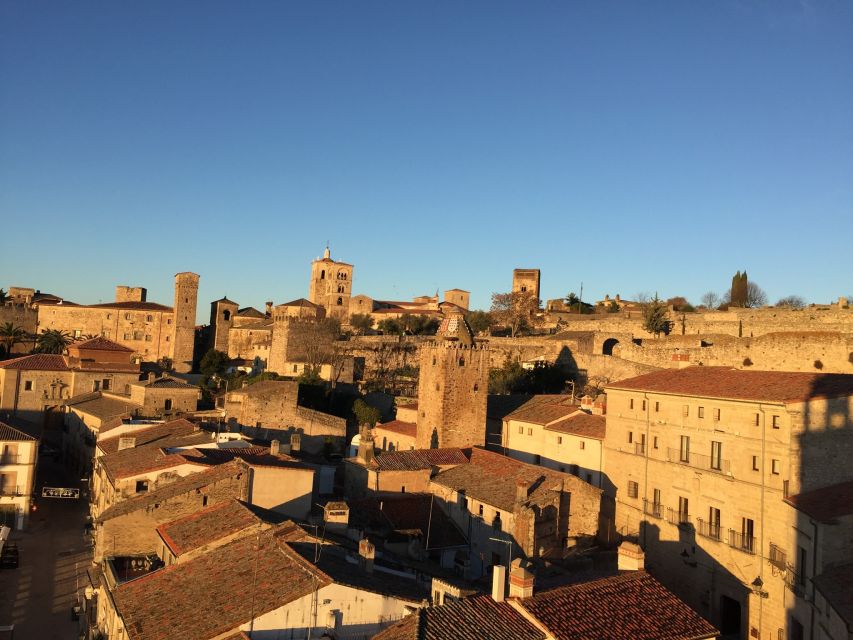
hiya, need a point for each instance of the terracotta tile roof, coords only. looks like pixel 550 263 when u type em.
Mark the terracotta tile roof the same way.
pixel 9 433
pixel 631 605
pixel 737 384
pixel 836 585
pixel 103 406
pixel 210 595
pixel 300 302
pixel 155 434
pixel 477 618
pixel 254 456
pixel 132 306
pixel 418 459
pixel 544 409
pixel 581 424
pixel 206 526
pixel 333 562
pixel 166 382
pixel 100 343
pixel 826 504
pixel 250 312
pixel 492 478
pixel 154 457
pixel 398 426
pixel 181 486
pixel 37 362
pixel 262 325
pixel 408 513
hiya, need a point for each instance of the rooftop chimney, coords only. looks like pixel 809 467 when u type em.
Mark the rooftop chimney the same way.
pixel 295 442
pixel 126 442
pixel 366 553
pixel 521 489
pixel 520 580
pixel 630 557
pixel 498 582
pixel 269 308
pixel 274 447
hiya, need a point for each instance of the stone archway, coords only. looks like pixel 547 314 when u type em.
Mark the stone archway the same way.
pixel 608 346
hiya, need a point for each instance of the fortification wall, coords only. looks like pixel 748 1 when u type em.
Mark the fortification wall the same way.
pixel 23 316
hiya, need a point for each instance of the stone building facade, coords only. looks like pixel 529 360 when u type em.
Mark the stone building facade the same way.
pixel 331 285
pixel 526 281
pixel 18 455
pixel 702 460
pixel 452 388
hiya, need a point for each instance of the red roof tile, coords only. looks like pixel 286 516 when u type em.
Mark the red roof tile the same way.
pixel 826 504
pixel 631 605
pixel 418 459
pixel 8 433
pixel 398 426
pixel 581 424
pixel 100 343
pixel 216 522
pixel 132 306
pixel 150 435
pixel 544 409
pixel 737 384
pixel 411 513
pixel 37 362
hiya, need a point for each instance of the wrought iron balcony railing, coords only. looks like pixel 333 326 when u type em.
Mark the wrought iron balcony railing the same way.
pixel 654 509
pixel 698 461
pixel 738 540
pixel 708 529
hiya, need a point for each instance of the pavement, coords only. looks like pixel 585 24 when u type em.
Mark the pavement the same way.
pixel 38 596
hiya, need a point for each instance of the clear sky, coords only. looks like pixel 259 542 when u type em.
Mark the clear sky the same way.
pixel 631 146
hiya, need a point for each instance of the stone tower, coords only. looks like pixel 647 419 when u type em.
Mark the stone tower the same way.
pixel 331 285
pixel 183 334
pixel 524 280
pixel 222 314
pixel 452 390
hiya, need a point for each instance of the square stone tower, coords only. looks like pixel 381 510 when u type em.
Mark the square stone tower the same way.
pixel 452 389
pixel 331 285
pixel 222 314
pixel 524 280
pixel 183 321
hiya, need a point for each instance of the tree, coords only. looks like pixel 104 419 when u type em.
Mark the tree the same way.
pixel 3 296
pixel 738 291
pixel 365 414
pixel 517 311
pixel 710 300
pixel 479 321
pixel 680 303
pixel 612 307
pixel 361 322
pixel 512 377
pixel 755 296
pixel 390 326
pixel 791 302
pixel 10 335
pixel 655 318
pixel 213 363
pixel 53 341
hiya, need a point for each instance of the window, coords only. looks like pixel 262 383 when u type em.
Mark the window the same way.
pixel 96 385
pixel 128 336
pixel 137 335
pixel 685 410
pixel 701 412
pixel 78 333
pixel 149 318
pixel 141 486
pixel 716 455
pixel 655 442
pixel 322 274
pixel 717 415
pixel 521 430
pixel 684 453
pixel 106 384
pixel 147 338
pixel 530 431
pixel 714 522
pixel 774 467
pixel 559 439
pixel 656 494
pixel 630 437
pixel 204 501
pixel 757 419
pixel 169 321
pixel 168 404
pixel 340 301
pixel 633 489
pixel 747 531
pixel 644 405
pixel 127 316
pixel 755 463
pixel 573 469
pixel 295 368
pixel 481 510
pixel 657 407
pixel 631 403
pixel 683 509
pixel 776 422
pixel 28 385
pixel 461 362
pixel 496 523
pixel 109 315
pixel 802 556
pixel 582 444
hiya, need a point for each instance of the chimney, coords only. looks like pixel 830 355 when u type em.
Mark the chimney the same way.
pixel 274 447
pixel 599 406
pixel 126 442
pixel 151 376
pixel 521 489
pixel 295 442
pixel 498 582
pixel 630 557
pixel 520 580
pixel 269 308
pixel 366 553
pixel 365 446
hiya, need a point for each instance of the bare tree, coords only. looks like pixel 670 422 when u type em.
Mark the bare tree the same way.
pixel 755 296
pixel 710 300
pixel 791 302
pixel 516 311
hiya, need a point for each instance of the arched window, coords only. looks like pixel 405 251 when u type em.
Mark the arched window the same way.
pixel 340 301
pixel 168 404
pixel 323 274
pixel 226 315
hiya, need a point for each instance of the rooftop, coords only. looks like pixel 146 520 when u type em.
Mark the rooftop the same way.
pixel 410 513
pixel 544 409
pixel 630 605
pixel 826 504
pixel 152 435
pixel 165 382
pixel 205 597
pixel 37 362
pixel 581 424
pixel 418 459
pixel 103 406
pixel 100 343
pixel 737 384
pixel 8 433
pixel 400 427
pixel 491 478
pixel 132 306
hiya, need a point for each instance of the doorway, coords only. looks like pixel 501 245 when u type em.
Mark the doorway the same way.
pixel 730 622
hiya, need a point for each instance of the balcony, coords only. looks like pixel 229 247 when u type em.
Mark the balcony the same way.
pixel 778 557
pixel 795 582
pixel 698 461
pixel 12 458
pixel 13 491
pixel 674 516
pixel 708 529
pixel 654 509
pixel 742 542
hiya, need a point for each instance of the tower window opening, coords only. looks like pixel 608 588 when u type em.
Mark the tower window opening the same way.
pixel 323 274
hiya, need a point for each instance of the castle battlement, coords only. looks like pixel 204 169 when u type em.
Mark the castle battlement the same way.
pixel 456 346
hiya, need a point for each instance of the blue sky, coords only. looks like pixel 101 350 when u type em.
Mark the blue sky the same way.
pixel 654 146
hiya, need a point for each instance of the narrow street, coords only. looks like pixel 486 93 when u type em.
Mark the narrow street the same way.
pixel 38 596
